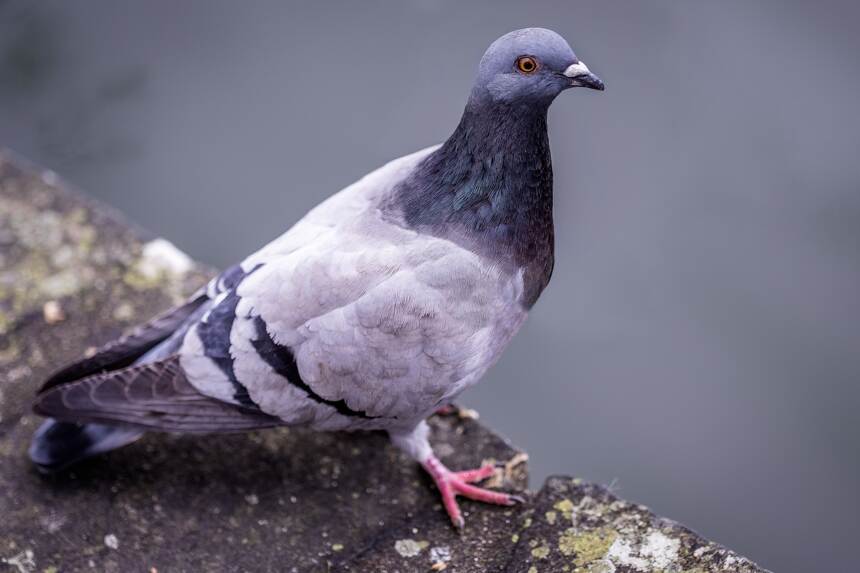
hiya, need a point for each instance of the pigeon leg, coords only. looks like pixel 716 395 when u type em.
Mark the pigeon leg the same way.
pixel 446 410
pixel 451 483
pixel 474 476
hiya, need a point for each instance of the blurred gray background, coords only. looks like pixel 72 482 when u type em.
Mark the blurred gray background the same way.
pixel 699 346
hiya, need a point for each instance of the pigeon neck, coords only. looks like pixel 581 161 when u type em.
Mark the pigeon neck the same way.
pixel 489 187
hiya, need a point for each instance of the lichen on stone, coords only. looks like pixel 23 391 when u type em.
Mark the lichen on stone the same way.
pixel 586 547
pixel 441 553
pixel 409 547
pixel 660 549
pixel 566 507
pixel 527 523
pixel 50 253
pixel 23 562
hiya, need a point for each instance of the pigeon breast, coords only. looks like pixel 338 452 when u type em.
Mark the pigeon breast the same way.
pixel 350 321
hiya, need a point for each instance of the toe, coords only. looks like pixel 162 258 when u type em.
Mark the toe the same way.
pixel 485 495
pixel 476 475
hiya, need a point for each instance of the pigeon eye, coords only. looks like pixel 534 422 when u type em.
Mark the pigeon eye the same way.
pixel 526 64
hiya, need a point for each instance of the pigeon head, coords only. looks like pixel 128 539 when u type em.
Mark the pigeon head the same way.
pixel 529 66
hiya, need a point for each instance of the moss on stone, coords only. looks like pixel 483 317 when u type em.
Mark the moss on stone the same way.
pixel 566 507
pixel 586 547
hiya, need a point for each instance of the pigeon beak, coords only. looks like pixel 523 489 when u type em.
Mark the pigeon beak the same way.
pixel 581 76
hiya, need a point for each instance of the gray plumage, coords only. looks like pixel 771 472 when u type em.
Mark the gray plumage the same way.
pixel 383 303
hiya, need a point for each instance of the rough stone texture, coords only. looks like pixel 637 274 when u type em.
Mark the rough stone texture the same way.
pixel 576 526
pixel 74 274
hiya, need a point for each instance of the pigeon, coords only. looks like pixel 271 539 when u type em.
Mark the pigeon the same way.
pixel 377 308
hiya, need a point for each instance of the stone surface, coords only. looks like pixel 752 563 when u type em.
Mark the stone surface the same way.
pixel 73 275
pixel 576 526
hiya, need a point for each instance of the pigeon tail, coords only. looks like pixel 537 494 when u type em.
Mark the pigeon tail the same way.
pixel 57 445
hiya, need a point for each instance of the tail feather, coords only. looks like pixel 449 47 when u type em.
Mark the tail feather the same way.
pixel 110 410
pixel 57 445
pixel 130 386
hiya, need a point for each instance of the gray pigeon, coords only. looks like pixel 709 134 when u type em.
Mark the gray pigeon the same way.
pixel 377 308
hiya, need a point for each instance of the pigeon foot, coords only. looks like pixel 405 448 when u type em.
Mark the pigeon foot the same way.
pixel 451 484
pixel 445 410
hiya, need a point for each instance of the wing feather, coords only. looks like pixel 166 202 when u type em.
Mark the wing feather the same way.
pixel 154 396
pixel 125 350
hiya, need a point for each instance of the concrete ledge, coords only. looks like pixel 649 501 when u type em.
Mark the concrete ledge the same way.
pixel 74 274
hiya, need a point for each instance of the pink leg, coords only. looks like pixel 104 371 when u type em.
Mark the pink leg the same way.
pixel 451 484
pixel 480 474
pixel 446 410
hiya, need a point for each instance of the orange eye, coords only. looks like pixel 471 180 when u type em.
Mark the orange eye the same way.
pixel 526 64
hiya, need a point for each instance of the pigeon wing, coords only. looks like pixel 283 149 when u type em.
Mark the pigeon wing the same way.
pixel 125 350
pixel 154 396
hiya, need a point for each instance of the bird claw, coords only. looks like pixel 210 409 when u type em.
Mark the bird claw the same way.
pixel 451 484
